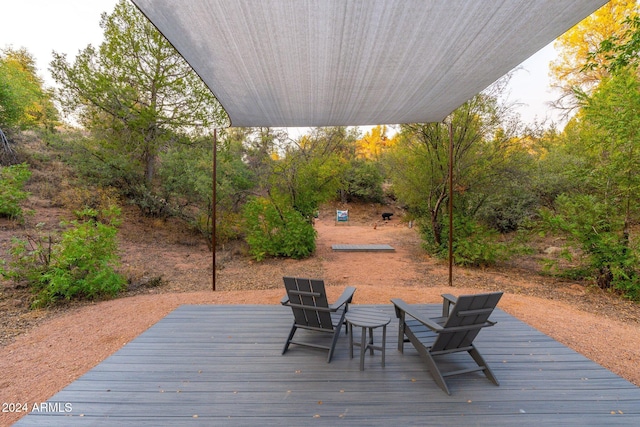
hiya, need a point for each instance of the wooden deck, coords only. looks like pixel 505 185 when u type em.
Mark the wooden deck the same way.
pixel 221 365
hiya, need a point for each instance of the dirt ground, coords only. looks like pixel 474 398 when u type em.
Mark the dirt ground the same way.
pixel 42 351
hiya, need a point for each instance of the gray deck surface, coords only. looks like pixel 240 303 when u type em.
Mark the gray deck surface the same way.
pixel 362 248
pixel 222 365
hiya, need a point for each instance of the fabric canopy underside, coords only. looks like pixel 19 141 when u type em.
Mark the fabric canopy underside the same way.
pixel 294 63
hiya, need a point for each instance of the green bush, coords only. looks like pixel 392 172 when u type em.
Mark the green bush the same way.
pixel 596 228
pixel 150 203
pixel 474 245
pixel 277 232
pixel 364 181
pixel 508 212
pixel 228 226
pixel 12 181
pixel 77 264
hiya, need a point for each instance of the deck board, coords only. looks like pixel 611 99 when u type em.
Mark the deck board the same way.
pixel 222 365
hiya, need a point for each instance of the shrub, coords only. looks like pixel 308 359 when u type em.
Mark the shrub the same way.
pixel 95 202
pixel 364 181
pixel 508 213
pixel 277 232
pixel 228 227
pixel 611 259
pixel 474 245
pixel 77 264
pixel 150 203
pixel 12 181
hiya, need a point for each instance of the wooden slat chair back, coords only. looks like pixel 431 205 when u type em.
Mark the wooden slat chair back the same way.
pixel 312 311
pixel 308 300
pixel 467 317
pixel 461 321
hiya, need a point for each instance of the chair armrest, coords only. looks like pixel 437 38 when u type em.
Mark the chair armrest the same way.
pixel 400 306
pixel 450 298
pixel 285 300
pixel 447 301
pixel 345 298
pixel 403 307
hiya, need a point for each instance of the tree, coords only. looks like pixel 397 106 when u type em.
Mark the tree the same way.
pixel 487 160
pixel 600 157
pixel 614 109
pixel 419 162
pixel 562 166
pixel 135 93
pixel 187 180
pixel 24 103
pixel 313 169
pixel 363 181
pixel 373 143
pixel 304 174
pixel 620 50
pixel 262 146
pixel 578 44
pixel 417 166
pixel 594 226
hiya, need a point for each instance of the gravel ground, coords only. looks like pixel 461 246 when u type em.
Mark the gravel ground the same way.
pixel 43 351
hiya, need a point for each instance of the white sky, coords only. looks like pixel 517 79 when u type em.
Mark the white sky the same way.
pixel 68 26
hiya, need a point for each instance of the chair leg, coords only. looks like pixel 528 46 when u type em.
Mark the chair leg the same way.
pixel 401 328
pixel 350 341
pixel 429 361
pixel 286 345
pixel 433 369
pixel 336 335
pixel 483 364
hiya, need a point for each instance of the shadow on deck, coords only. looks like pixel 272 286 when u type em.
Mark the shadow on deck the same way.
pixel 222 365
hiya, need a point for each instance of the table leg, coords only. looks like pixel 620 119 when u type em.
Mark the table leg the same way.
pixel 363 347
pixel 384 342
pixel 370 341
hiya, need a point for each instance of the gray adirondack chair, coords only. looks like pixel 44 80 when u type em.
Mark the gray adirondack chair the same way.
pixel 311 311
pixel 461 321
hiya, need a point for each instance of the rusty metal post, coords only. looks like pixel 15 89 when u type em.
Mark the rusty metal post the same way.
pixel 451 202
pixel 213 213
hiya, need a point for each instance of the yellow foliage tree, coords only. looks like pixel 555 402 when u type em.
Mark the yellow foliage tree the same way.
pixel 574 47
pixel 372 144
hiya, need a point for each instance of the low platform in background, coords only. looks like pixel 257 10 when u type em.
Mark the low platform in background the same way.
pixel 362 248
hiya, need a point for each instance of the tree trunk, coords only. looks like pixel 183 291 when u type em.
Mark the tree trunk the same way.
pixel 436 226
pixel 7 153
pixel 149 167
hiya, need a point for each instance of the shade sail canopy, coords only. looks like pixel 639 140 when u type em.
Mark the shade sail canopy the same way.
pixel 297 63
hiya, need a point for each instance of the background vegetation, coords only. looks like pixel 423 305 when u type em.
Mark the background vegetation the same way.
pixel 143 130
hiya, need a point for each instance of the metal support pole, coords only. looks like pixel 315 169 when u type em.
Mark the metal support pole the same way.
pixel 451 202
pixel 213 213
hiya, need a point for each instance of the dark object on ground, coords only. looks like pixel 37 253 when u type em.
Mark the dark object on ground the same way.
pixel 387 215
pixel 452 333
pixel 311 311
